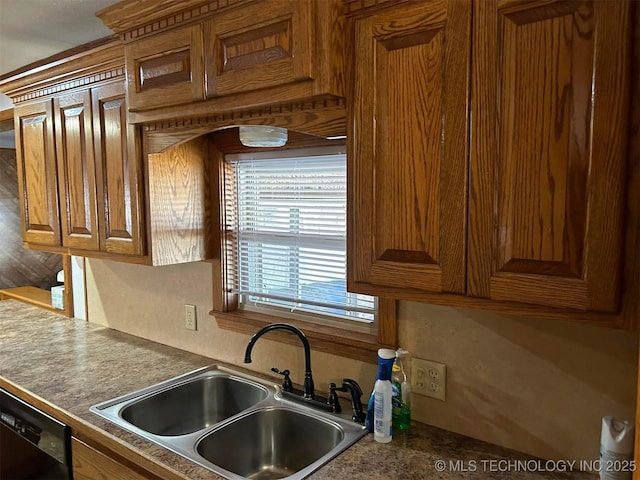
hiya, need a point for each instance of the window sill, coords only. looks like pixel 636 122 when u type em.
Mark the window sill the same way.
pixel 328 339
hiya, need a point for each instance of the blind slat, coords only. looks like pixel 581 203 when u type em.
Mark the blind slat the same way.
pixel 353 308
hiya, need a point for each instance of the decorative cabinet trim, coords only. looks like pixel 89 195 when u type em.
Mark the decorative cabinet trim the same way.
pixel 147 17
pixel 81 68
pixel 75 83
pixel 331 103
pixel 322 118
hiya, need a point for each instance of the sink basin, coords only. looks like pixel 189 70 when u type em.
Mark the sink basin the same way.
pixel 193 405
pixel 281 441
pixel 186 404
pixel 233 424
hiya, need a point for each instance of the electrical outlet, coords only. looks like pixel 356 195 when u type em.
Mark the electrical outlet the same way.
pixel 429 378
pixel 190 317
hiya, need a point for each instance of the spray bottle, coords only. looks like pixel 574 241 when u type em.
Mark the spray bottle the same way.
pixel 616 449
pixel 378 418
pixel 401 384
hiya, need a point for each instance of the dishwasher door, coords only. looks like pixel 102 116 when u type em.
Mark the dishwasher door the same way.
pixel 33 445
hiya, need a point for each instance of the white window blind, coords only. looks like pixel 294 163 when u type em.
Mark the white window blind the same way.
pixel 286 219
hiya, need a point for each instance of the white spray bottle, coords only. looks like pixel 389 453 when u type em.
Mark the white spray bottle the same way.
pixel 383 396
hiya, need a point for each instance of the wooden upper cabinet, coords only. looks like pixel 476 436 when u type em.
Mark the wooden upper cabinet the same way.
pixel 408 149
pixel 76 171
pixel 517 201
pixel 38 185
pixel 261 45
pixel 549 130
pixel 166 69
pixel 118 173
pixel 195 59
pixel 82 186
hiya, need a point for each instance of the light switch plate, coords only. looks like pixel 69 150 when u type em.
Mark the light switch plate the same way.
pixel 190 321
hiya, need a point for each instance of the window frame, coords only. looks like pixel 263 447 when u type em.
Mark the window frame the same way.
pixel 326 338
pixel 261 225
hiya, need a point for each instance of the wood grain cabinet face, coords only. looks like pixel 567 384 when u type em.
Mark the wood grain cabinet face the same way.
pixel 261 45
pixel 90 464
pixel 409 149
pixel 117 173
pixel 82 187
pixel 166 69
pixel 543 221
pixel 550 103
pixel 38 185
pixel 76 171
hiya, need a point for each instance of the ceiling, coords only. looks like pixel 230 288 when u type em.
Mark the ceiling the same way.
pixel 31 30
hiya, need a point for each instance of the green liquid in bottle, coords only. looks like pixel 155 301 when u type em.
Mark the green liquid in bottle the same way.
pixel 400 412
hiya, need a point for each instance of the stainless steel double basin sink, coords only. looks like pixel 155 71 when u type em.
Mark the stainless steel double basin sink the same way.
pixel 234 424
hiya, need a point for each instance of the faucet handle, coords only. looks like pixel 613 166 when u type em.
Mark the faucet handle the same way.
pixel 287 386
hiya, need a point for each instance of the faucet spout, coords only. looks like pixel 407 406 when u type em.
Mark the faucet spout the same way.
pixel 308 378
pixel 356 395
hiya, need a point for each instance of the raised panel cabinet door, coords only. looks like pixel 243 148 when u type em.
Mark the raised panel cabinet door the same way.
pixel 37 175
pixel 165 69
pixel 409 149
pixel 260 45
pixel 118 173
pixel 76 171
pixel 550 105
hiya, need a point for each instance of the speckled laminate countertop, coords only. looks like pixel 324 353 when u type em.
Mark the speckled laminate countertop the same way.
pixel 67 365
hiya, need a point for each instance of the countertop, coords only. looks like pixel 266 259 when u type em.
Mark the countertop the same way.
pixel 67 365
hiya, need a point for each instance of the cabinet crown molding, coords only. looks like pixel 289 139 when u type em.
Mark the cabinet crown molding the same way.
pixel 133 19
pixel 79 66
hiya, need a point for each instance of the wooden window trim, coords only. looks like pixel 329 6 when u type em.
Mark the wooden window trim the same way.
pixel 324 338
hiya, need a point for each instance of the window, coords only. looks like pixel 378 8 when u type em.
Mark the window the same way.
pixel 334 321
pixel 286 235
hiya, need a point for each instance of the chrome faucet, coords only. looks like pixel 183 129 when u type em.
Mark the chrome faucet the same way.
pixel 307 391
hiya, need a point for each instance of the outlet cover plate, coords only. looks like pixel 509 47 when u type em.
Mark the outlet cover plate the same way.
pixel 429 378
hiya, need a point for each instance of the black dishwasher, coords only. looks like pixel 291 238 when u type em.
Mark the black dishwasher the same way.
pixel 33 445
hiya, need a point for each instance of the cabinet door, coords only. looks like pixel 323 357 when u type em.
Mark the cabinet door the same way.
pixel 258 46
pixel 38 178
pixel 550 102
pixel 409 150
pixel 76 171
pixel 90 464
pixel 166 69
pixel 118 173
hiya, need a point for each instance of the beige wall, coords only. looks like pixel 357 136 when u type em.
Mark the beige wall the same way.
pixel 536 386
